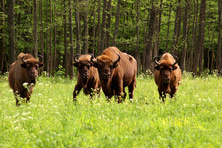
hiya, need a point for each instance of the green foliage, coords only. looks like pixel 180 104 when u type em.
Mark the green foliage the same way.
pixel 191 119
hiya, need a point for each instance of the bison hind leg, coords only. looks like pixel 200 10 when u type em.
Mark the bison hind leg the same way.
pixel 131 88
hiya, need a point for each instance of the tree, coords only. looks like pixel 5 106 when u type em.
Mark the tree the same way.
pixel 177 27
pixel 108 24
pixel 219 49
pixel 41 30
pixel 149 46
pixel 71 73
pixel 54 56
pixel 200 44
pixel 137 52
pixel 184 46
pixel 168 27
pixel 103 27
pixel 99 51
pixel 86 38
pixel 116 23
pixel 65 41
pixel 35 28
pixel 11 31
pixel 2 48
pixel 78 30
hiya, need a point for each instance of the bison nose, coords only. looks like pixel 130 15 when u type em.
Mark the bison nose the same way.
pixel 85 76
pixel 34 76
pixel 166 80
pixel 105 76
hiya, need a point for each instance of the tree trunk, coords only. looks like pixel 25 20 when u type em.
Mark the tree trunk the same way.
pixel 11 31
pixel 187 57
pixel 123 26
pixel 157 23
pixel 177 28
pixel 35 28
pixel 168 28
pixel 71 41
pixel 41 31
pixel 107 43
pixel 50 40
pixel 94 30
pixel 212 54
pixel 78 29
pixel 102 40
pixel 200 44
pixel 116 23
pixel 149 46
pixel 184 47
pixel 54 56
pixel 2 48
pixel 194 52
pixel 99 28
pixel 137 52
pixel 65 41
pixel 219 49
pixel 85 45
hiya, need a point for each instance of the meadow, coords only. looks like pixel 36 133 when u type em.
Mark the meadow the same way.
pixel 193 118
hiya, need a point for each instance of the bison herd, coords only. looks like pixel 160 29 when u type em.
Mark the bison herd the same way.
pixel 112 71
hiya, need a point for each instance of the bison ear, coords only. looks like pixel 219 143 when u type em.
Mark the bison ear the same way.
pixel 24 65
pixel 174 67
pixel 41 65
pixel 157 67
pixel 75 64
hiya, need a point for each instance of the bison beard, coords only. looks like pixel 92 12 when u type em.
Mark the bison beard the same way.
pixel 167 75
pixel 117 70
pixel 23 71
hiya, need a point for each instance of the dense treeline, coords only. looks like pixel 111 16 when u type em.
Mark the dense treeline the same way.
pixel 143 28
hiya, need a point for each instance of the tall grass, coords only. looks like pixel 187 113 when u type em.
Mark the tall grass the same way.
pixel 193 118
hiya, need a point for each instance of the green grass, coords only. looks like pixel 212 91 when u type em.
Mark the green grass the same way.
pixel 192 119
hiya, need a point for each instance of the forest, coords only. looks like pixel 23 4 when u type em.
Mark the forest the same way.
pixel 58 30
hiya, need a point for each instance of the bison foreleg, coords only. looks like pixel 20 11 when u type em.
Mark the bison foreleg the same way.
pixel 162 95
pixel 76 91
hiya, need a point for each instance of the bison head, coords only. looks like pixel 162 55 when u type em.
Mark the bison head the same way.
pixel 31 65
pixel 165 68
pixel 105 67
pixel 83 65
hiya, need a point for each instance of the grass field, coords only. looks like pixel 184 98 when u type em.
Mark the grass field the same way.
pixel 192 119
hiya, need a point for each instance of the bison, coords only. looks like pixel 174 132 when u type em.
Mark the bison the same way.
pixel 117 70
pixel 23 70
pixel 88 76
pixel 167 75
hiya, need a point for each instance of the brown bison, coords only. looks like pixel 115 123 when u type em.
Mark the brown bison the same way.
pixel 23 70
pixel 116 71
pixel 88 76
pixel 167 75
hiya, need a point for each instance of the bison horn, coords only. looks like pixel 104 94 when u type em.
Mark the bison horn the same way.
pixel 176 58
pixel 75 58
pixel 155 60
pixel 40 56
pixel 117 59
pixel 92 56
pixel 23 59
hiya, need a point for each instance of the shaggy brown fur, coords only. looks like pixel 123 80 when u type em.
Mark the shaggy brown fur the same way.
pixel 117 70
pixel 167 75
pixel 23 70
pixel 88 77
